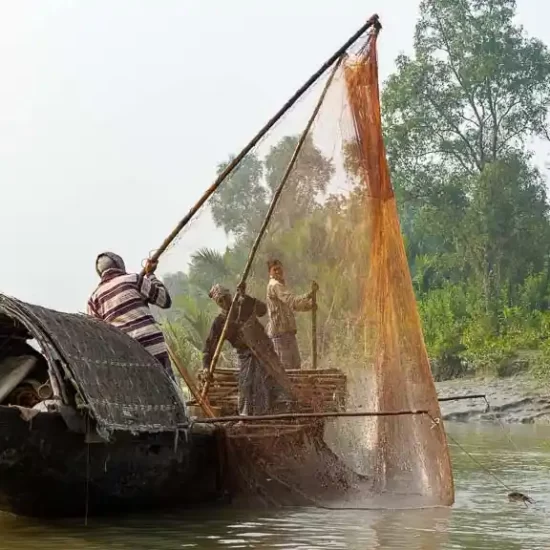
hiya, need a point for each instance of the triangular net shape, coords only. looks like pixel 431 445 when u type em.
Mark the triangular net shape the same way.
pixel 336 223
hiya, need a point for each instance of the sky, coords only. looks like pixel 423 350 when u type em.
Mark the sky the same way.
pixel 114 116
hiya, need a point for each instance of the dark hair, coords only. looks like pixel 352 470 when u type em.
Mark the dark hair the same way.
pixel 273 263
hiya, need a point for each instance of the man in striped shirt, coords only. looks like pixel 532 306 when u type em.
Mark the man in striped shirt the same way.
pixel 122 300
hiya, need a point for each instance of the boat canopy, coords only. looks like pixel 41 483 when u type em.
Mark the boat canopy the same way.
pixel 107 372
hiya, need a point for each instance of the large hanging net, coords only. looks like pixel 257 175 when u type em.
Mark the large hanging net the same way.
pixel 353 345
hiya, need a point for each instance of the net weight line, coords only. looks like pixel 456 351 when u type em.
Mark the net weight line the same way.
pixel 436 422
pixel 521 496
pixel 315 504
pixel 526 500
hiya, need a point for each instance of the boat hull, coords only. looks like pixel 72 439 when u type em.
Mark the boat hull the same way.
pixel 288 464
pixel 48 471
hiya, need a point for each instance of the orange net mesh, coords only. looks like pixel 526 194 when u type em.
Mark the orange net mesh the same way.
pixel 410 451
pixel 336 223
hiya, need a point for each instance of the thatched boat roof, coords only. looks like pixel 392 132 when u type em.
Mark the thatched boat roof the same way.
pixel 122 385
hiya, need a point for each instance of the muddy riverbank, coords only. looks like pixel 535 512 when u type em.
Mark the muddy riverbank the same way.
pixel 518 399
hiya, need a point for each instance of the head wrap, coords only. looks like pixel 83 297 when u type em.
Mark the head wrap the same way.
pixel 273 262
pixel 109 260
pixel 218 293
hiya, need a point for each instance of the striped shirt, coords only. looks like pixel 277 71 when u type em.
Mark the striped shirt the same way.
pixel 122 300
pixel 281 305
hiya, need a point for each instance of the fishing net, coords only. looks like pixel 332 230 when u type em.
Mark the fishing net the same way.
pixel 360 349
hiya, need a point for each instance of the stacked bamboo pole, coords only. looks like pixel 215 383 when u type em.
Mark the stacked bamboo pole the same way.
pixel 320 390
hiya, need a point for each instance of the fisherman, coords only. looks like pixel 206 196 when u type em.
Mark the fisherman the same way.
pixel 282 304
pixel 122 300
pixel 257 390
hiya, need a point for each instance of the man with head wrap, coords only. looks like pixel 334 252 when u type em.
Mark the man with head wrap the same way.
pixel 257 390
pixel 122 299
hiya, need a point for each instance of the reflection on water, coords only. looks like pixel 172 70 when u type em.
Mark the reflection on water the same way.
pixel 482 518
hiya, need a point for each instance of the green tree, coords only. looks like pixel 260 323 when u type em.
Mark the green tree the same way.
pixel 476 89
pixel 209 267
pixel 307 182
pixel 458 116
pixel 241 202
pixel 505 232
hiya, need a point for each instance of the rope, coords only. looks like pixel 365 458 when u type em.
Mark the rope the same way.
pixel 436 422
pixel 313 503
pixel 524 498
pixel 511 441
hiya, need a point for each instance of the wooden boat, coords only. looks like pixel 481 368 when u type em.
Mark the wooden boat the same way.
pixel 89 423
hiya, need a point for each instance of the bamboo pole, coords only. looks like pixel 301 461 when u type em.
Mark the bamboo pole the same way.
pixel 374 20
pixel 314 326
pixel 463 397
pixel 294 416
pixel 265 223
pixel 190 384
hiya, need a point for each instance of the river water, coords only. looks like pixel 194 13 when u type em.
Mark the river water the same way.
pixel 481 519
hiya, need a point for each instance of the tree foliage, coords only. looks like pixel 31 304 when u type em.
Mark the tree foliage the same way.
pixel 241 201
pixel 460 114
pixel 477 89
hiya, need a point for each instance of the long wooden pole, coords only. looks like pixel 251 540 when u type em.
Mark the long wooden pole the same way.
pixel 265 223
pixel 293 416
pixel 191 384
pixel 255 140
pixel 314 326
pixel 462 397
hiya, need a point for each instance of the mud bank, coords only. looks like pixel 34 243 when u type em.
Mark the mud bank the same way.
pixel 512 400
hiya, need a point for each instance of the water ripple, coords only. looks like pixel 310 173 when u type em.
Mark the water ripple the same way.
pixel 482 518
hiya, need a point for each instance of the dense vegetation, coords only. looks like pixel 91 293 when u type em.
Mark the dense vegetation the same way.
pixel 460 117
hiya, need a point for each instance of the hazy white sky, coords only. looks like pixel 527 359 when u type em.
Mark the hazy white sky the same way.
pixel 114 115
